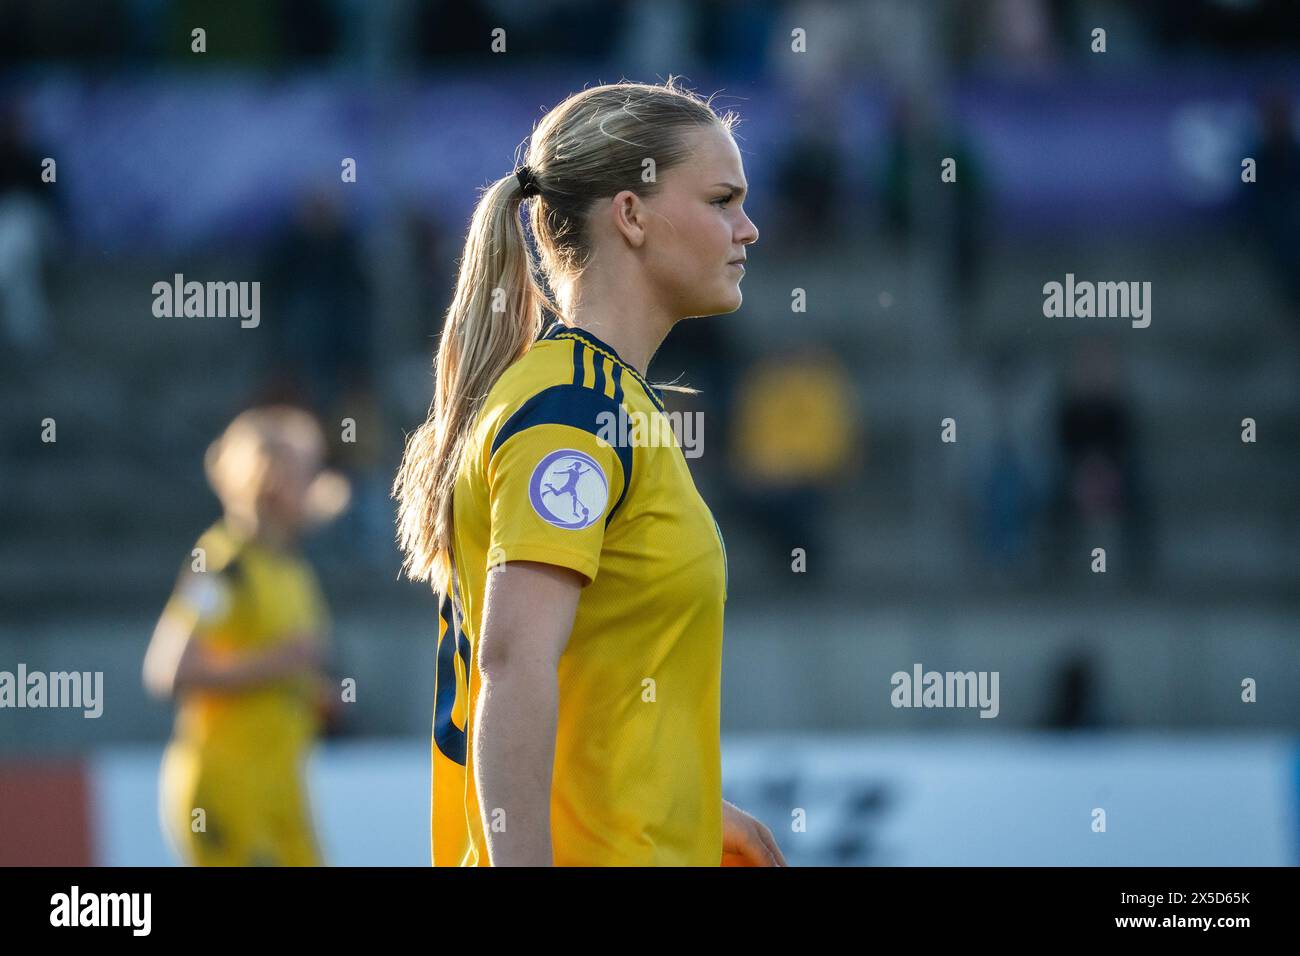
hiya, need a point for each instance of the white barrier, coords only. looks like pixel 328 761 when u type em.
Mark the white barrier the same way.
pixel 950 800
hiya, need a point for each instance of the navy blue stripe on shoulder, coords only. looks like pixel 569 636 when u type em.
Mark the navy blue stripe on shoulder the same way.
pixel 577 407
pixel 585 340
pixel 577 363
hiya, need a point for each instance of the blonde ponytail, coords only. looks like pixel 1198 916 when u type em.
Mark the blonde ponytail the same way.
pixel 494 317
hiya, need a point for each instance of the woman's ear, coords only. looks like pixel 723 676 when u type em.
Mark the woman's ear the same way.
pixel 629 215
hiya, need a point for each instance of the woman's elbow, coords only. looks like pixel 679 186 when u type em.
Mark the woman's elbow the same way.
pixel 495 663
pixel 505 660
pixel 158 684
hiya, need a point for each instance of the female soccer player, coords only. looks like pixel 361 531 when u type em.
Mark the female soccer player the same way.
pixel 240 646
pixel 576 719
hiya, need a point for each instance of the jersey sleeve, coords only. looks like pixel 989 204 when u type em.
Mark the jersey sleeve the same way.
pixel 207 598
pixel 556 475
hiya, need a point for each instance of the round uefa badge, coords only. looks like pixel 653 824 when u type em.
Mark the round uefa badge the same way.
pixel 569 490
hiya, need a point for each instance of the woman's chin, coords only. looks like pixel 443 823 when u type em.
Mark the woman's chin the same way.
pixel 729 301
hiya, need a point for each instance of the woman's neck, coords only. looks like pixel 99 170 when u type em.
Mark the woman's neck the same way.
pixel 632 325
pixel 261 532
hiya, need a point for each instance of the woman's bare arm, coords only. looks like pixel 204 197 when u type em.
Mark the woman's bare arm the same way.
pixel 527 619
pixel 176 662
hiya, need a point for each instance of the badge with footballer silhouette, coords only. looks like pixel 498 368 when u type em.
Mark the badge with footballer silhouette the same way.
pixel 569 489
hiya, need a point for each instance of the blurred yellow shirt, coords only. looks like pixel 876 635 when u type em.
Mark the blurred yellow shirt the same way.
pixel 250 598
pixel 238 756
pixel 795 422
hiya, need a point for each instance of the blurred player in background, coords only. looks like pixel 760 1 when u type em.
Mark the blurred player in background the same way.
pixel 241 647
pixel 578 681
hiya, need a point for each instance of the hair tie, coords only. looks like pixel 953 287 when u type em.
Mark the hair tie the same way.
pixel 527 181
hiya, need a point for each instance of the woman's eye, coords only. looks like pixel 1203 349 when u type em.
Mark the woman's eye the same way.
pixel 723 200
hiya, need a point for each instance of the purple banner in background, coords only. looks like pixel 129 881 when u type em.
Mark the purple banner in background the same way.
pixel 190 161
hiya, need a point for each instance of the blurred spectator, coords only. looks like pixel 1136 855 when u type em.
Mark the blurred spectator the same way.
pixel 235 29
pixel 917 145
pixel 84 33
pixel 1075 698
pixel 732 34
pixel 573 29
pixel 1009 502
pixel 26 236
pixel 657 38
pixel 1275 195
pixel 1100 497
pixel 796 435
pixel 809 198
pixel 318 307
pixel 836 39
pixel 1009 36
pixel 320 332
pixel 1009 401
pixel 433 251
pixel 449 31
pixel 358 446
pixel 309 29
pixel 1201 26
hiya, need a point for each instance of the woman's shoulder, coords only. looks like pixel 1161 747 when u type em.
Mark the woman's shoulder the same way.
pixel 548 363
pixel 218 546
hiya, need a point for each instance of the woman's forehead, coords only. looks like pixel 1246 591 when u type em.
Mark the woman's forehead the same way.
pixel 300 448
pixel 713 156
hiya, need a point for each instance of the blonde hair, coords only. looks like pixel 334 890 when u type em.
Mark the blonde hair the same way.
pixel 591 146
pixel 241 461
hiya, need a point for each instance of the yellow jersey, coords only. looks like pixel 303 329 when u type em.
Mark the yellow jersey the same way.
pixel 249 598
pixel 573 462
pixel 239 755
